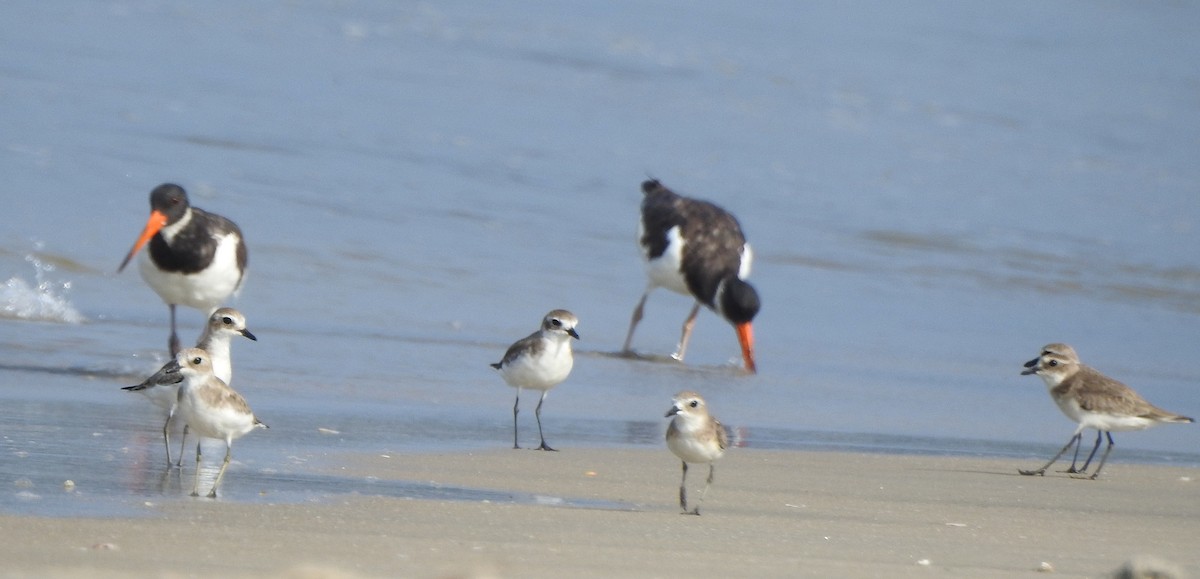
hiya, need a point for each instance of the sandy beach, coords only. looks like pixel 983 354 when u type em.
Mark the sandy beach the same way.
pixel 769 514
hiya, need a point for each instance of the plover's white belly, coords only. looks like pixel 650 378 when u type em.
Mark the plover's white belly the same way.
pixel 217 421
pixel 539 373
pixel 691 450
pixel 1101 420
pixel 1070 407
pixel 1115 423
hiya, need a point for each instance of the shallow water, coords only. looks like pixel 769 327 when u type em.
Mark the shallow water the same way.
pixel 932 192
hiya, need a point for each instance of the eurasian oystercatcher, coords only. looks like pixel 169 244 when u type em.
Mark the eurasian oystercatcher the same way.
pixel 695 248
pixel 540 362
pixel 196 258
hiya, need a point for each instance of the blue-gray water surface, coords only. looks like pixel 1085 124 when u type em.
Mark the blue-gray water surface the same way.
pixel 934 190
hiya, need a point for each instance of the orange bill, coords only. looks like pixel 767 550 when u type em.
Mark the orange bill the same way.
pixel 156 222
pixel 746 337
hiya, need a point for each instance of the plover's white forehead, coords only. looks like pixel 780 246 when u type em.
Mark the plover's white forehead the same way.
pixel 194 360
pixel 687 399
pixel 1059 351
pixel 227 318
pixel 564 319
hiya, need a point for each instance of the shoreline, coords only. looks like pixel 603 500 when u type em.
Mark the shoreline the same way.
pixel 772 513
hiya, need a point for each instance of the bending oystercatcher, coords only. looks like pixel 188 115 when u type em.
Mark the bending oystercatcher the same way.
pixel 196 258
pixel 695 248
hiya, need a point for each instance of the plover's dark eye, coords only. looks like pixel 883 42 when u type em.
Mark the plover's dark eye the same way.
pixel 694 403
pixel 196 361
pixel 555 323
pixel 228 320
pixel 1053 362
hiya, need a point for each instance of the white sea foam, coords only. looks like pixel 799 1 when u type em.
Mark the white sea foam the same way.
pixel 44 300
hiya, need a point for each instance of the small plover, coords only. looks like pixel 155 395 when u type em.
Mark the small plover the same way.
pixel 540 362
pixel 697 437
pixel 223 325
pixel 211 408
pixel 1093 400
pixel 195 258
pixel 696 248
pixel 162 388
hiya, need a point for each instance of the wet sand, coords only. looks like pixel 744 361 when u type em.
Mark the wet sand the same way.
pixel 770 513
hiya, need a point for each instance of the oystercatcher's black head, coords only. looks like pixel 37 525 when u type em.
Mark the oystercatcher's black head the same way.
pixel 168 204
pixel 170 200
pixel 738 303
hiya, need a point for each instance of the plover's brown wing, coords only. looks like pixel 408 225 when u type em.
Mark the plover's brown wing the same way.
pixel 531 344
pixel 722 434
pixel 1099 393
pixel 216 394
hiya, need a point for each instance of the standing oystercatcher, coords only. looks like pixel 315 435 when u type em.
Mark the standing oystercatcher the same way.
pixel 196 258
pixel 695 248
